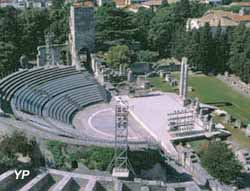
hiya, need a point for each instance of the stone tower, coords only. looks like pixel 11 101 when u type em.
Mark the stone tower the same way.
pixel 183 87
pixel 82 33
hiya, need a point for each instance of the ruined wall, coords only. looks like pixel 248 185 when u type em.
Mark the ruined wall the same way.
pixel 82 32
pixel 55 53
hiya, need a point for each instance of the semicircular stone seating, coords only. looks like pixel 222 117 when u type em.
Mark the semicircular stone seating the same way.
pixel 54 92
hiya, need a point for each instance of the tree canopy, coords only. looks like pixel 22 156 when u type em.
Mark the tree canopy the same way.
pixel 23 30
pixel 239 61
pixel 12 145
pixel 220 162
pixel 163 31
pixel 118 55
pixel 113 26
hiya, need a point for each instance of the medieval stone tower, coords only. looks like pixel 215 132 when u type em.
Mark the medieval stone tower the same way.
pixel 82 34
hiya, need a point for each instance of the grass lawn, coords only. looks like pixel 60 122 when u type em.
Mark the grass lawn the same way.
pixel 237 136
pixel 212 91
pixel 161 84
pixel 199 145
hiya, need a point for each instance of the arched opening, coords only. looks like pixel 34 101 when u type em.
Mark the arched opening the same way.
pixel 64 57
pixel 85 59
pixel 74 164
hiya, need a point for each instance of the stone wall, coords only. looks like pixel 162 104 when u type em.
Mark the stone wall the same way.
pixel 235 82
pixel 56 54
pixel 82 32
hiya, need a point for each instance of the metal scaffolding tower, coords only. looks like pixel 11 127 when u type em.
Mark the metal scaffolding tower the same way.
pixel 120 163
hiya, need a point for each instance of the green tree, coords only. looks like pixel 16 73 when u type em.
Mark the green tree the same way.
pixel 182 11
pixel 57 4
pixel 13 144
pixel 192 50
pixel 8 58
pixel 10 29
pixel 147 56
pixel 198 9
pixel 226 2
pixel 206 49
pixel 220 162
pixel 59 25
pixel 142 21
pixel 239 61
pixel 16 143
pixel 161 29
pixel 118 55
pixel 7 162
pixel 98 158
pixel 56 148
pixel 25 29
pixel 113 26
pixel 221 51
pixel 34 23
pixel 180 40
pixel 200 49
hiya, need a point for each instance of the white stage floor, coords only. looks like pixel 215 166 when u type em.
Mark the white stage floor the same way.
pixel 152 111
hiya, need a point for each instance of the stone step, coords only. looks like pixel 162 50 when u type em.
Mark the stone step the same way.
pixel 64 184
pixel 90 185
pixel 36 183
pixel 7 179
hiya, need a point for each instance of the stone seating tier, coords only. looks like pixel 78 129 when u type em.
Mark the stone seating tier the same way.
pixel 56 92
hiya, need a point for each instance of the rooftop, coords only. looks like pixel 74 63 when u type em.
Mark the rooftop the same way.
pixel 153 2
pixel 120 3
pixel 242 4
pixel 84 4
pixel 222 18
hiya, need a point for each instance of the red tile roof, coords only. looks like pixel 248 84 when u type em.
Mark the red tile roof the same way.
pixel 153 2
pixel 242 4
pixel 84 4
pixel 240 18
pixel 120 3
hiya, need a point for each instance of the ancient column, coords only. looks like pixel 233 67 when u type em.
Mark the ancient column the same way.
pixel 185 82
pixel 181 80
pixel 183 88
pixel 130 76
pixel 211 125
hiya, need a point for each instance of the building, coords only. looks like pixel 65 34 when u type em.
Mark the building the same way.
pixel 122 3
pixel 212 2
pixel 102 2
pixel 133 5
pixel 13 3
pixel 216 18
pixel 23 4
pixel 153 3
pixel 241 4
pixel 38 4
pixel 168 65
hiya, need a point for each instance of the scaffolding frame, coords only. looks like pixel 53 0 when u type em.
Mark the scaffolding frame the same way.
pixel 181 120
pixel 120 162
